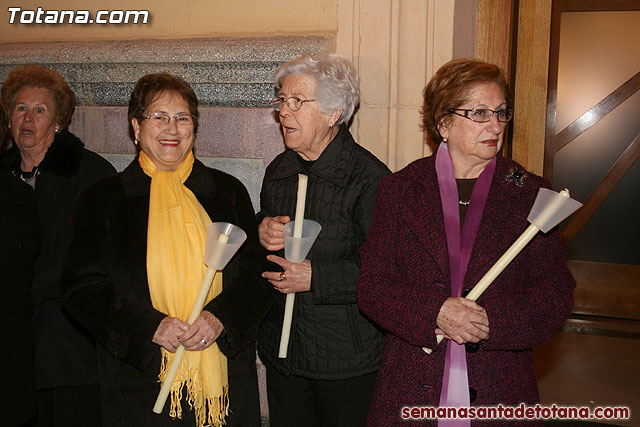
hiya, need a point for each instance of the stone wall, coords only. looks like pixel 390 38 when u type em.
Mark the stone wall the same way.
pixel 232 77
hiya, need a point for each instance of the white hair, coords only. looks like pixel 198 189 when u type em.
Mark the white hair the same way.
pixel 337 81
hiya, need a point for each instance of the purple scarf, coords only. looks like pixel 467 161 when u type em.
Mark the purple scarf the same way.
pixel 455 383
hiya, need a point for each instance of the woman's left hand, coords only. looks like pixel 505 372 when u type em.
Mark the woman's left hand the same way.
pixel 296 277
pixel 203 333
pixel 462 321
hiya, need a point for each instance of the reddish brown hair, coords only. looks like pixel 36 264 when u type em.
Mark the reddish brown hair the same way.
pixel 450 87
pixel 39 76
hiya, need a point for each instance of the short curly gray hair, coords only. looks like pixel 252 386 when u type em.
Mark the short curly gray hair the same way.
pixel 337 81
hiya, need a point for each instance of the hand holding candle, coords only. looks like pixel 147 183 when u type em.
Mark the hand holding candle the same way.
pixel 218 251
pixel 549 209
pixel 300 204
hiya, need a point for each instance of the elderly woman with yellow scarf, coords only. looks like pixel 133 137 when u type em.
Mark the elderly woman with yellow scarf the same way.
pixel 136 265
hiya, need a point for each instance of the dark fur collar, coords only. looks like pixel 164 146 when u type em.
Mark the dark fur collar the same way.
pixel 62 158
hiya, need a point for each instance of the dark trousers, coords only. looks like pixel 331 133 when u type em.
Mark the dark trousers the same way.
pixel 69 406
pixel 297 401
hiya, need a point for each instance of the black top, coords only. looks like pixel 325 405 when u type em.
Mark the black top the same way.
pixel 19 247
pixel 465 189
pixel 306 164
pixel 65 355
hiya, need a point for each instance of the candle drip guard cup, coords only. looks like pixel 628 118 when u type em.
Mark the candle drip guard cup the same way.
pixel 296 249
pixel 217 254
pixel 551 208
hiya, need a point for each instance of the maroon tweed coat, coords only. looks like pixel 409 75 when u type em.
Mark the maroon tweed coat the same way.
pixel 404 280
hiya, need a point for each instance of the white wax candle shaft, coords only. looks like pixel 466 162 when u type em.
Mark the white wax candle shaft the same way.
pixel 300 203
pixel 286 325
pixel 515 249
pixel 502 263
pixel 297 234
pixel 198 305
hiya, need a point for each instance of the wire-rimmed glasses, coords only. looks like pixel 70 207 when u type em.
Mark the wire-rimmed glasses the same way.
pixel 162 119
pixel 293 102
pixel 483 115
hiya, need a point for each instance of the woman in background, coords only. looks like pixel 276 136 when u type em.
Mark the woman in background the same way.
pixel 20 237
pixel 54 162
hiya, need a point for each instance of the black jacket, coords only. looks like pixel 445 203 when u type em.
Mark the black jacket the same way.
pixel 64 354
pixel 330 337
pixel 106 289
pixel 19 247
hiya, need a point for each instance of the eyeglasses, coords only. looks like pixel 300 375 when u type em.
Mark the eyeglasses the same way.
pixel 162 119
pixel 483 115
pixel 293 102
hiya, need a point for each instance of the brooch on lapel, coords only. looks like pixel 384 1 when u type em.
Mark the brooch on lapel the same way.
pixel 516 176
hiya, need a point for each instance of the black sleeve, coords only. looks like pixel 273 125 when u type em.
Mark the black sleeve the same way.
pixel 110 308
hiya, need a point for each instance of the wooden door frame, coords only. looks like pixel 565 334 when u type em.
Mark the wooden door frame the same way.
pixel 607 296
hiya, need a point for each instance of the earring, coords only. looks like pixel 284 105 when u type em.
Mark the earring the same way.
pixel 444 140
pixel 330 125
pixel 9 125
pixel 136 141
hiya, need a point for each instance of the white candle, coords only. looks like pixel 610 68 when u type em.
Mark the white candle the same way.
pixel 297 234
pixel 198 305
pixel 300 203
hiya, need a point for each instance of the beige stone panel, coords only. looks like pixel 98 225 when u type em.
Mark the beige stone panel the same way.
pixel 411 52
pixel 347 44
pixel 372 132
pixel 410 144
pixel 534 26
pixel 440 26
pixel 348 15
pixel 258 16
pixel 396 45
pixel 179 18
pixel 374 51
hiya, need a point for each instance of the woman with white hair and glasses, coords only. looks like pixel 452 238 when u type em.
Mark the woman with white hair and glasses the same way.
pixel 329 373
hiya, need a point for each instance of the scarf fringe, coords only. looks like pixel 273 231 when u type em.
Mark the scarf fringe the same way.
pixel 210 411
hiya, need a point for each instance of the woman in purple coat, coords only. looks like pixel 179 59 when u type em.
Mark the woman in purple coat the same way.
pixel 438 227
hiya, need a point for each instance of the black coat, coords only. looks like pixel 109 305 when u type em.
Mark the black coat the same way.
pixel 19 247
pixel 106 289
pixel 65 356
pixel 330 338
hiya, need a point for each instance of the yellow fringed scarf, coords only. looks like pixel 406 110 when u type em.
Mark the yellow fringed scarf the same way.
pixel 176 237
